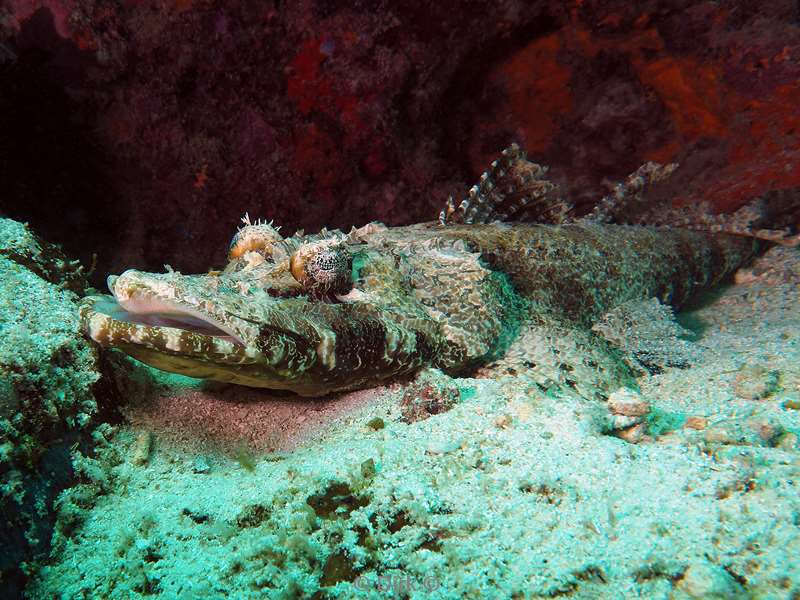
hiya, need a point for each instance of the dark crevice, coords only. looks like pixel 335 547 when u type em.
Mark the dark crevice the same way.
pixel 53 174
pixel 469 80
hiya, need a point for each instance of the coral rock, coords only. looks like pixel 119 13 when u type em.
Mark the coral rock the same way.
pixel 627 403
pixel 755 382
pixel 709 582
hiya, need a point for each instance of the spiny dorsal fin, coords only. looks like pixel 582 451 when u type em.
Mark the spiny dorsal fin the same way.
pixel 512 189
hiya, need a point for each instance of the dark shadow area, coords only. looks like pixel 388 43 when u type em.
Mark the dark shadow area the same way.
pixel 466 94
pixel 53 175
pixel 693 324
pixel 687 317
pixel 51 475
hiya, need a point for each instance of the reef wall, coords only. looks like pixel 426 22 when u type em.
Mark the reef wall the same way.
pixel 143 130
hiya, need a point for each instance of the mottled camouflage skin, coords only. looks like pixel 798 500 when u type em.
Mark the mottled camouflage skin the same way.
pixel 454 297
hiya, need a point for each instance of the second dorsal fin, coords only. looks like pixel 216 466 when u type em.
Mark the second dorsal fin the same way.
pixel 774 217
pixel 628 202
pixel 512 189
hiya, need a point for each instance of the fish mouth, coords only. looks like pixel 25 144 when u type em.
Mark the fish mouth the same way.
pixel 111 323
pixel 175 323
pixel 141 319
pixel 149 311
pixel 170 322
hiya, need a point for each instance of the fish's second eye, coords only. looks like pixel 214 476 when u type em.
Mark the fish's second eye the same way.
pixel 323 268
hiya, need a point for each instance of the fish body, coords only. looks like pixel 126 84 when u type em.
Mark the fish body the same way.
pixel 454 297
pixel 509 280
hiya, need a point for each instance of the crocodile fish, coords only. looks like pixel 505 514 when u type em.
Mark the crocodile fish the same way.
pixel 508 281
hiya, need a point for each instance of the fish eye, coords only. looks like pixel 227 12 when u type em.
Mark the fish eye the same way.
pixel 258 237
pixel 323 268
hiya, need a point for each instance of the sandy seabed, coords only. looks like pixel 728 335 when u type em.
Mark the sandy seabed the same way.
pixel 213 491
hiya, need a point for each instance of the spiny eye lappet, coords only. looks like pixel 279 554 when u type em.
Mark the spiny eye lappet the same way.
pixel 509 280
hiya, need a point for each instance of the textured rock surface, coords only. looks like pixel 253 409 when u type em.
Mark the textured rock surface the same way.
pixel 154 126
pixel 47 371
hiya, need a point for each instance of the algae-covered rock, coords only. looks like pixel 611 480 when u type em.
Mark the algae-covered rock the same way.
pixel 47 371
pixel 19 244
